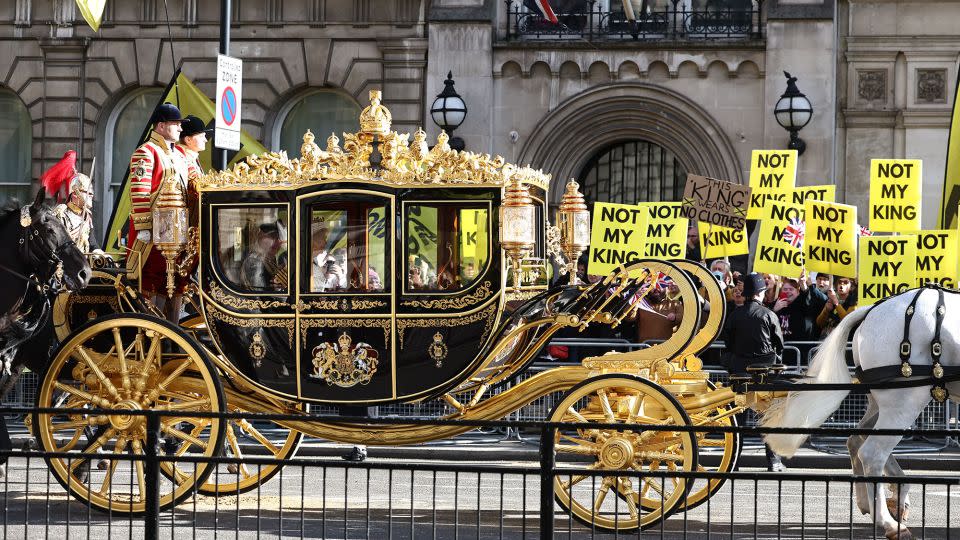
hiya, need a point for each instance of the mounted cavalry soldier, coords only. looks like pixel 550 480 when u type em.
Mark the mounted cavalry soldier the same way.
pixel 154 163
pixel 77 212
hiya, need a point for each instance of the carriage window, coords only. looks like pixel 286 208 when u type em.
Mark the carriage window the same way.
pixel 252 247
pixel 446 246
pixel 348 247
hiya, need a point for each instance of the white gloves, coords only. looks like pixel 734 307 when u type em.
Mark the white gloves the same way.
pixel 144 236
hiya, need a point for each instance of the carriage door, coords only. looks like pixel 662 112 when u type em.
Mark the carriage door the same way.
pixel 345 297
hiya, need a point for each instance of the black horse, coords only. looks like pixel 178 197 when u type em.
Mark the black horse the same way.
pixel 37 260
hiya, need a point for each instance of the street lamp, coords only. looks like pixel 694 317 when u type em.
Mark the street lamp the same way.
pixel 793 111
pixel 448 111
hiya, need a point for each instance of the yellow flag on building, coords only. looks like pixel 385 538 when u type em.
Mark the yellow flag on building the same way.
pixel 951 176
pixel 92 11
pixel 190 100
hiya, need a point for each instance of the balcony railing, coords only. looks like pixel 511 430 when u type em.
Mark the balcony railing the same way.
pixel 674 22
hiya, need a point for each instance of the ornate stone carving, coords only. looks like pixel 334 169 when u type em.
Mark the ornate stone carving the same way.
pixel 872 84
pixel 402 163
pixel 931 86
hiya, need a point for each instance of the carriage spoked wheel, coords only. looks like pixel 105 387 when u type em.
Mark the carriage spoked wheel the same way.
pixel 237 478
pixel 647 460
pixel 127 363
pixel 702 489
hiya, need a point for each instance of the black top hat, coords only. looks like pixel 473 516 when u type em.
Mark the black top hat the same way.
pixel 166 112
pixel 193 125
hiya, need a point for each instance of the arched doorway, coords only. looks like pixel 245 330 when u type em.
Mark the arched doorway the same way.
pixel 631 172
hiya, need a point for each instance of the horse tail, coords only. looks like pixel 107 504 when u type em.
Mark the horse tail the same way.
pixel 810 409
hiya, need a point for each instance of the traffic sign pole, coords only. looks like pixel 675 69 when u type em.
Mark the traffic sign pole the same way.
pixel 220 154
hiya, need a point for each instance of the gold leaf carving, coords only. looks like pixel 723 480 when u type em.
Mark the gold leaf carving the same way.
pixel 482 292
pixel 366 304
pixel 307 324
pixel 487 314
pixel 222 297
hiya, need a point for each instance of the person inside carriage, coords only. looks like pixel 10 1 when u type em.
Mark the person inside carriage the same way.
pixel 264 268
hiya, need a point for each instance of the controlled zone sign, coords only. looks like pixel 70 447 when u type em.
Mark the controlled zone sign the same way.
pixel 774 255
pixel 888 266
pixel 773 174
pixel 895 194
pixel 721 242
pixel 229 96
pixel 937 257
pixel 715 202
pixel 666 234
pixel 830 238
pixel 617 236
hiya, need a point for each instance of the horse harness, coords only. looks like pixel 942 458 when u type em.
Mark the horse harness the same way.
pixel 940 374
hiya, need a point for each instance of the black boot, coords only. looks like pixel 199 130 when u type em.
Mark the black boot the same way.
pixel 358 454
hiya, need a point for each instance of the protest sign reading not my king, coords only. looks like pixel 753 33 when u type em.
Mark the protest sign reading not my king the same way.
pixel 830 238
pixel 814 193
pixel 888 266
pixel 937 257
pixel 722 241
pixel 895 194
pixel 617 236
pixel 775 255
pixel 773 174
pixel 666 235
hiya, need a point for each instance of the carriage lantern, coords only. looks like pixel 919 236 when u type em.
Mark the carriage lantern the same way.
pixel 518 220
pixel 170 225
pixel 574 218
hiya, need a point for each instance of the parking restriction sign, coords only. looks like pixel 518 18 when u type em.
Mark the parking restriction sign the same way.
pixel 229 83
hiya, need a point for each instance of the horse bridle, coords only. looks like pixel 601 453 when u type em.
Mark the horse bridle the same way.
pixel 36 254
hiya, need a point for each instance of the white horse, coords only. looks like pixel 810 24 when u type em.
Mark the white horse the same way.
pixel 876 343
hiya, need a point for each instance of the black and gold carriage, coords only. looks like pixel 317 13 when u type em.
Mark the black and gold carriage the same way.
pixel 374 272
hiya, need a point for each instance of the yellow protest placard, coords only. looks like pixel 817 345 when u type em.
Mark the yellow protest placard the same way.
pixel 773 174
pixel 617 236
pixel 666 236
pixel 775 255
pixel 827 193
pixel 721 241
pixel 937 257
pixel 888 266
pixel 895 194
pixel 830 238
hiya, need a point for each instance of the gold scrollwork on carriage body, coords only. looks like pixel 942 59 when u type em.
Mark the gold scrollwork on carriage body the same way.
pixel 220 296
pixel 366 304
pixel 253 322
pixel 437 351
pixel 307 324
pixel 482 293
pixel 523 294
pixel 403 163
pixel 487 315
pixel 343 364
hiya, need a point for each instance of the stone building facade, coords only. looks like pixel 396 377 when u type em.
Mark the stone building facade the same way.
pixel 689 87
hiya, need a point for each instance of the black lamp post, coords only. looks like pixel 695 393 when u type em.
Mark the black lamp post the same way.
pixel 448 112
pixel 793 111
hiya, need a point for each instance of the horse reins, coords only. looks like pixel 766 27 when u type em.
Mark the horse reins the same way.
pixel 36 254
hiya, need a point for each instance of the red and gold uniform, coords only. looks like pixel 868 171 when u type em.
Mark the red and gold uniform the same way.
pixel 154 162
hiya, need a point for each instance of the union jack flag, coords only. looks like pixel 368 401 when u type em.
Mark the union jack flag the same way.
pixel 863 231
pixel 663 281
pixel 794 232
pixel 543 8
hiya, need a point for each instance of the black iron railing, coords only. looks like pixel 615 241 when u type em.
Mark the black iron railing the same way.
pixel 675 22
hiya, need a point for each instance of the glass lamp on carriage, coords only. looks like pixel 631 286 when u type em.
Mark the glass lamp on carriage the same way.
pixel 574 218
pixel 170 225
pixel 518 220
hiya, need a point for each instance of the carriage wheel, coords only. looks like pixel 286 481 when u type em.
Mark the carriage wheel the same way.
pixel 650 456
pixel 118 362
pixel 241 478
pixel 702 489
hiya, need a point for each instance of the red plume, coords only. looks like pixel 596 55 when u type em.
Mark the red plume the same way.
pixel 57 177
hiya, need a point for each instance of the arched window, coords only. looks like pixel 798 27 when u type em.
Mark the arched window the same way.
pixel 15 139
pixel 322 112
pixel 632 172
pixel 124 129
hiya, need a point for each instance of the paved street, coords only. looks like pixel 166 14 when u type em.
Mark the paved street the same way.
pixel 326 498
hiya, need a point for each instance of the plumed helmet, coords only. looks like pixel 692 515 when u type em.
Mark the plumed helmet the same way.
pixel 753 284
pixel 64 176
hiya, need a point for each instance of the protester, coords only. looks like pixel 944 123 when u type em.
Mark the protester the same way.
pixel 840 302
pixel 693 244
pixel 797 307
pixel 753 336
pixel 824 282
pixel 773 283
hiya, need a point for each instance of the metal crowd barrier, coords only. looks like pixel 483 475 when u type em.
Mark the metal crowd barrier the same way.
pixel 423 498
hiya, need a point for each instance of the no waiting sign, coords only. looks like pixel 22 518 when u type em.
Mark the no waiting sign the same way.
pixel 229 83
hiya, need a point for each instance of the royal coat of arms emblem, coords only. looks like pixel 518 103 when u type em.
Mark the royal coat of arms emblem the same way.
pixel 344 364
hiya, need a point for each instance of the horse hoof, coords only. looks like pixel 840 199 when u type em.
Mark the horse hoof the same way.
pixel 902 534
pixel 894 508
pixel 102 465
